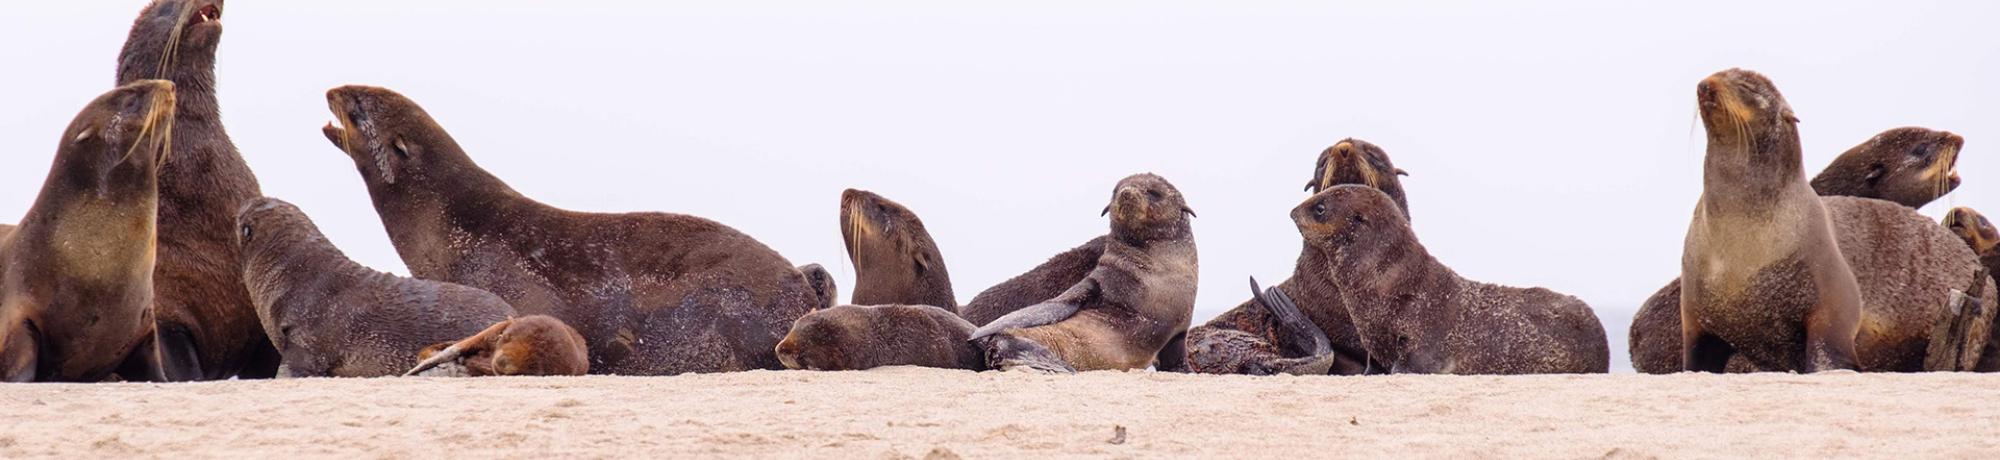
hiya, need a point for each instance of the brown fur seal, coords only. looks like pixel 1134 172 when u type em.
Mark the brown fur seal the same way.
pixel 653 293
pixel 207 328
pixel 851 337
pixel 895 261
pixel 1416 315
pixel 1350 161
pixel 1132 310
pixel 76 278
pixel 1655 336
pixel 1761 273
pixel 1301 348
pixel 1047 280
pixel 529 345
pixel 332 317
pixel 822 283
pixel 1909 166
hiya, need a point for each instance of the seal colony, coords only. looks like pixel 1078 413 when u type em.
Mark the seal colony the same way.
pixel 150 255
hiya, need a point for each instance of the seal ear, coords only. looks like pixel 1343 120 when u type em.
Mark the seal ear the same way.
pixel 1189 211
pixel 1107 211
pixel 1875 172
pixel 1401 172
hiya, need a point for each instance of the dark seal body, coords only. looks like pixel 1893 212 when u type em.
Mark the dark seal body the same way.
pixel 529 345
pixel 1350 161
pixel 895 260
pixel 76 277
pixel 851 337
pixel 1045 281
pixel 653 293
pixel 207 328
pixel 329 316
pixel 1132 310
pixel 1416 315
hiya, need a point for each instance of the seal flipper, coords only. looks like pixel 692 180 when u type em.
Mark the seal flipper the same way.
pixel 142 364
pixel 20 353
pixel 179 360
pixel 1173 357
pixel 1042 314
pixel 1299 334
pixel 471 346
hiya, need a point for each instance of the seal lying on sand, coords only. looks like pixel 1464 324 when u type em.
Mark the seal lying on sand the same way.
pixel 1418 316
pixel 851 337
pixel 76 278
pixel 652 293
pixel 1131 310
pixel 1230 351
pixel 1655 336
pixel 1350 161
pixel 332 317
pixel 529 345
pixel 895 260
pixel 207 328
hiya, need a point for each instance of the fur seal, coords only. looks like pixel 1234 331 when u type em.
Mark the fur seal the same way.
pixel 332 317
pixel 529 345
pixel 895 260
pixel 1416 315
pixel 1656 328
pixel 1132 310
pixel 1047 280
pixel 822 285
pixel 1761 273
pixel 652 293
pixel 1971 227
pixel 207 327
pixel 76 278
pixel 1230 351
pixel 852 337
pixel 1350 161
pixel 1909 166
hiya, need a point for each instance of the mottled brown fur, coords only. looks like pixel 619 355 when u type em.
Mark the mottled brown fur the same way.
pixel 1131 310
pixel 329 316
pixel 1910 166
pixel 76 278
pixel 851 337
pixel 1299 346
pixel 895 260
pixel 652 293
pixel 1416 315
pixel 529 345
pixel 207 327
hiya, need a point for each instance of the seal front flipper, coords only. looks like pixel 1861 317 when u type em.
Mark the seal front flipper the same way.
pixel 179 360
pixel 20 352
pixel 1042 314
pixel 475 345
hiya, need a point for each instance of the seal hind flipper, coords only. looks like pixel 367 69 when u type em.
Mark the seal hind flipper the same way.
pixel 1299 333
pixel 1042 314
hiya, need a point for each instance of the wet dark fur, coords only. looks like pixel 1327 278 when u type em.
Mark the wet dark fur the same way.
pixel 1350 161
pixel 331 317
pixel 76 277
pixel 896 262
pixel 851 337
pixel 528 345
pixel 1045 281
pixel 653 293
pixel 1132 310
pixel 1300 348
pixel 1417 316
pixel 1761 272
pixel 1910 166
pixel 207 327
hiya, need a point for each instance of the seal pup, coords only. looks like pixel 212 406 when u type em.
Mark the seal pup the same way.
pixel 332 317
pixel 652 293
pixel 1970 226
pixel 1350 161
pixel 1230 351
pixel 1131 311
pixel 529 345
pixel 1656 328
pixel 207 328
pixel 852 337
pixel 822 285
pixel 1910 166
pixel 1418 316
pixel 895 260
pixel 76 277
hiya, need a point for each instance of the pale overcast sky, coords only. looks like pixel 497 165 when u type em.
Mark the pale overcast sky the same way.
pixel 1550 144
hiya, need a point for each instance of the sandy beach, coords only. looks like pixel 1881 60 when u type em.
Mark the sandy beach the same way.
pixel 926 413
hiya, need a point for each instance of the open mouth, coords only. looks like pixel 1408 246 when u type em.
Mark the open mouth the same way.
pixel 207 14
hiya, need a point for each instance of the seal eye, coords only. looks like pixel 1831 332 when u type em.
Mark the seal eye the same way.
pixel 1154 194
pixel 1922 150
pixel 1319 211
pixel 402 151
pixel 246 233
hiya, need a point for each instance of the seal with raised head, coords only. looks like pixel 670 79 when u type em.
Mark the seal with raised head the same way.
pixel 207 328
pixel 332 317
pixel 853 337
pixel 652 293
pixel 529 345
pixel 1761 273
pixel 1132 310
pixel 76 278
pixel 1655 336
pixel 1909 166
pixel 1300 348
pixel 895 260
pixel 1415 315
pixel 1350 161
